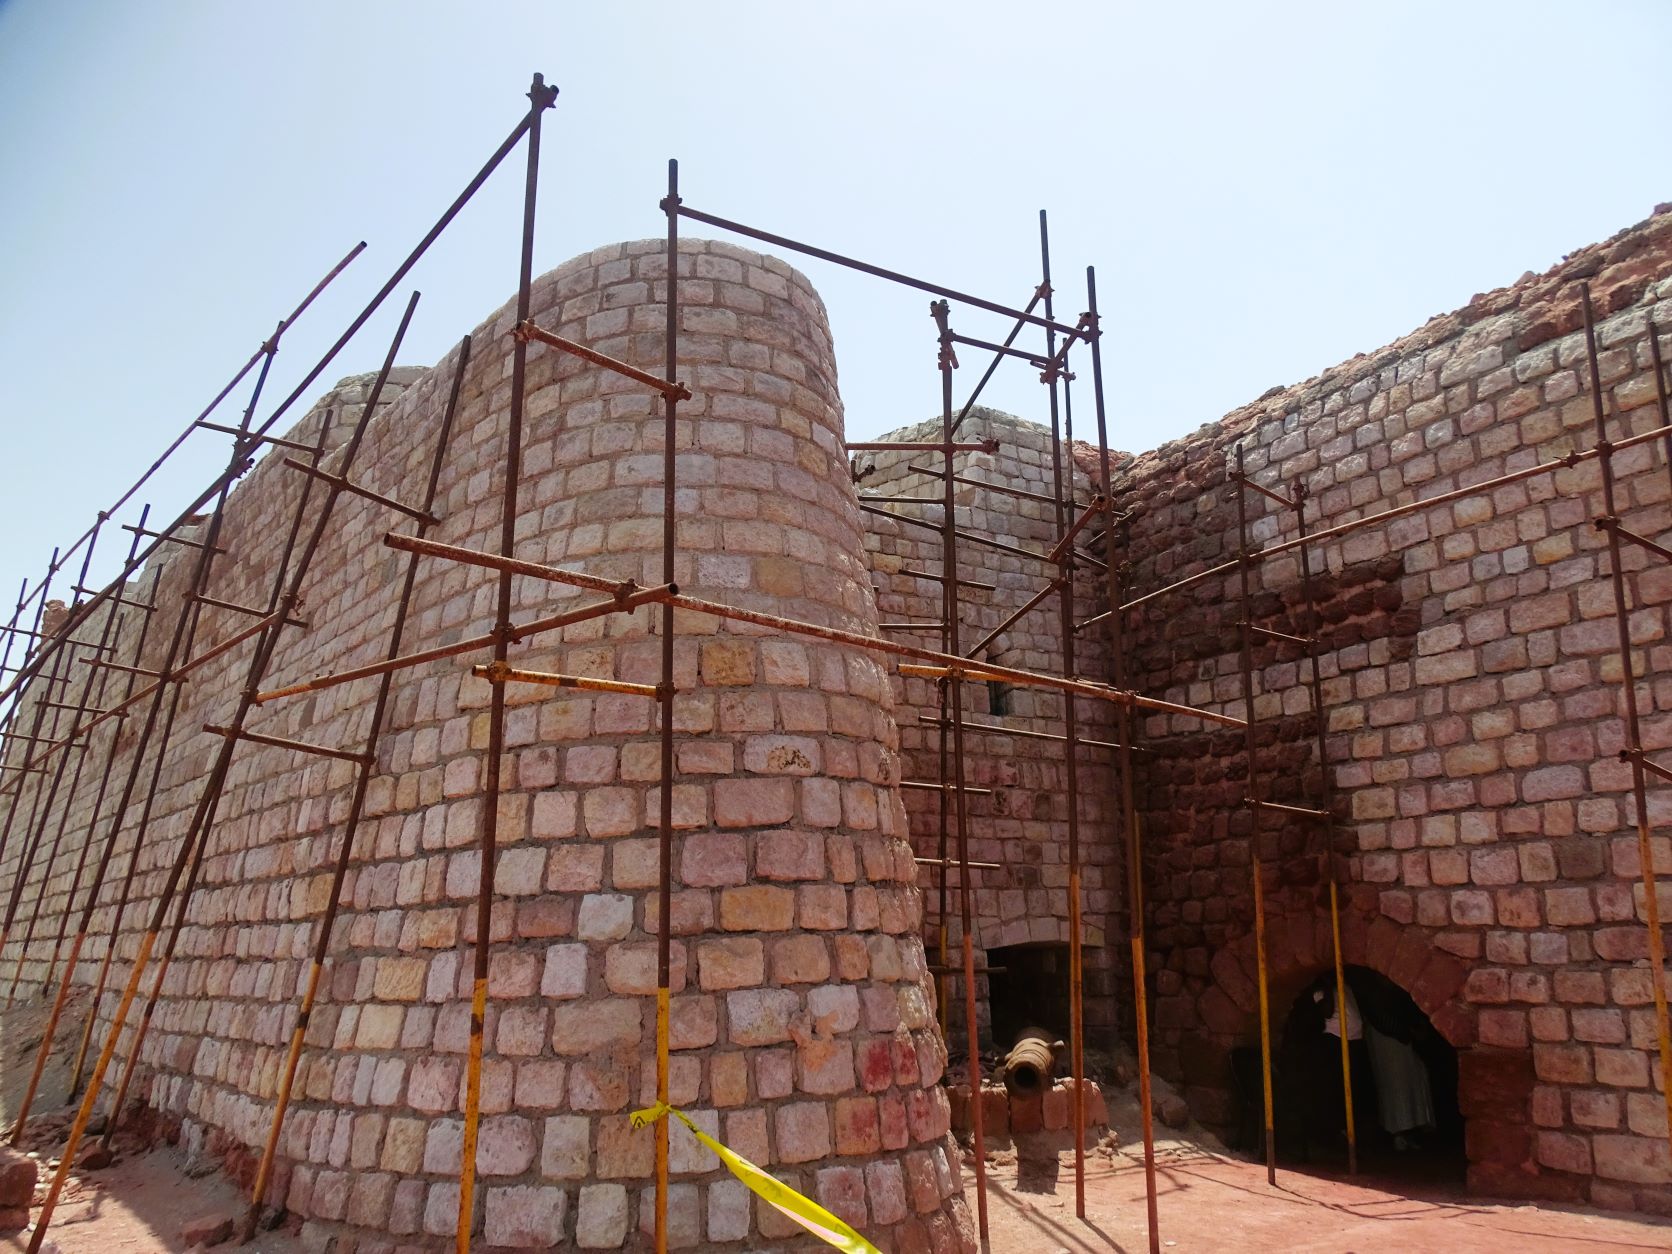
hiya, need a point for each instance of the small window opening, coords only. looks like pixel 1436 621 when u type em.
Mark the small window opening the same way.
pixel 999 697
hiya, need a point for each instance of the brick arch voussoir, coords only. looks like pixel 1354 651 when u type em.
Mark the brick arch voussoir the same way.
pixel 993 934
pixel 1299 947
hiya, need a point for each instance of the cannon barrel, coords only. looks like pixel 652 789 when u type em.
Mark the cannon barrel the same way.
pixel 1031 1062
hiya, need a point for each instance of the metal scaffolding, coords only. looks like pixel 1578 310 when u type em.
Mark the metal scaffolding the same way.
pixel 56 758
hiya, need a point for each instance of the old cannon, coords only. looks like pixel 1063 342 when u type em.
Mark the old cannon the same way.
pixel 1031 1062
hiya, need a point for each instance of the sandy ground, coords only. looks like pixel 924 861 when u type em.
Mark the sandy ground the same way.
pixel 1213 1202
pixel 1209 1200
pixel 136 1205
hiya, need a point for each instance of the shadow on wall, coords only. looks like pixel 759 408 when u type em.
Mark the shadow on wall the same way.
pixel 1029 989
pixel 1492 1092
pixel 1404 1077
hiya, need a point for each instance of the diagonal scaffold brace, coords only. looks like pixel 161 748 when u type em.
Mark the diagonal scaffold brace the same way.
pixel 286 596
pixel 351 824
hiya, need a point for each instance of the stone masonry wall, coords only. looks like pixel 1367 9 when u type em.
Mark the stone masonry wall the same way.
pixel 803 1025
pixel 1471 669
pixel 1021 821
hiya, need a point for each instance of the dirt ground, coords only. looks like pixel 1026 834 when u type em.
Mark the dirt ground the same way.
pixel 1210 1201
pixel 139 1203
pixel 137 1206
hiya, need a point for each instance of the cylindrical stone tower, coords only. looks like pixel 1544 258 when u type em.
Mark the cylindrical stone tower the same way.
pixel 803 1031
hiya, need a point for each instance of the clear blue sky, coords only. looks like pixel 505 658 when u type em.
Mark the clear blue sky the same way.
pixel 1265 189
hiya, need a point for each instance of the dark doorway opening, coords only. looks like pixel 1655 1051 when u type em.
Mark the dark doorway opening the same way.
pixel 1031 991
pixel 1404 1076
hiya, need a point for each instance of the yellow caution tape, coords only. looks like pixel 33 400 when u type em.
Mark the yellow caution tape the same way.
pixel 806 1212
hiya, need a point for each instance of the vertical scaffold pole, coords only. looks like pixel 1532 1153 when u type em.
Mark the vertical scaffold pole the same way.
pixel 1609 524
pixel 955 709
pixel 664 704
pixel 1661 404
pixel 1062 487
pixel 27 760
pixel 1252 803
pixel 540 99
pixel 1315 690
pixel 12 630
pixel 1124 731
pixel 943 978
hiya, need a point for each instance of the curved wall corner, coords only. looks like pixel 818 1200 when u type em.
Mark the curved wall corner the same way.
pixel 803 1027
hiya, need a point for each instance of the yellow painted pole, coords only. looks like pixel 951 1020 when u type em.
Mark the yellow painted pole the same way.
pixel 90 1099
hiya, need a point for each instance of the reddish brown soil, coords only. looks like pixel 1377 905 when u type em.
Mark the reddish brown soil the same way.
pixel 137 1206
pixel 139 1203
pixel 1214 1202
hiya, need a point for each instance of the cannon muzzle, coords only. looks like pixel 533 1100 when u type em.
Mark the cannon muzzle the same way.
pixel 1031 1062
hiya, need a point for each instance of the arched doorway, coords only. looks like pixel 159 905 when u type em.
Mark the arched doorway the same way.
pixel 1404 1075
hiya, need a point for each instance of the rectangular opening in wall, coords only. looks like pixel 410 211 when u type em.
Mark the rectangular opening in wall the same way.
pixel 1030 991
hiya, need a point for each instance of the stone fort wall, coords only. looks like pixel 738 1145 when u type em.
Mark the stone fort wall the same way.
pixel 803 1029
pixel 1472 704
pixel 1474 714
pixel 1017 803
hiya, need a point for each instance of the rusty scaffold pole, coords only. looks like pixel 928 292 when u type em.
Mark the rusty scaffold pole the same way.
pixel 665 695
pixel 283 601
pixel 1313 629
pixel 1062 489
pixel 1609 523
pixel 13 631
pixel 29 763
pixel 1253 804
pixel 947 360
pixel 1125 728
pixel 540 97
pixel 92 691
pixel 921 663
pixel 356 810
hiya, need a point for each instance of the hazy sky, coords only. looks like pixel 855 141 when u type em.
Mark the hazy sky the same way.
pixel 1265 189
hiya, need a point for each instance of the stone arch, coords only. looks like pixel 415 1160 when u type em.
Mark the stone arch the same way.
pixel 1051 929
pixel 1495 1086
pixel 1299 947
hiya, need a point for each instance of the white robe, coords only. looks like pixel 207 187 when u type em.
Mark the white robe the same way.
pixel 1403 1095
